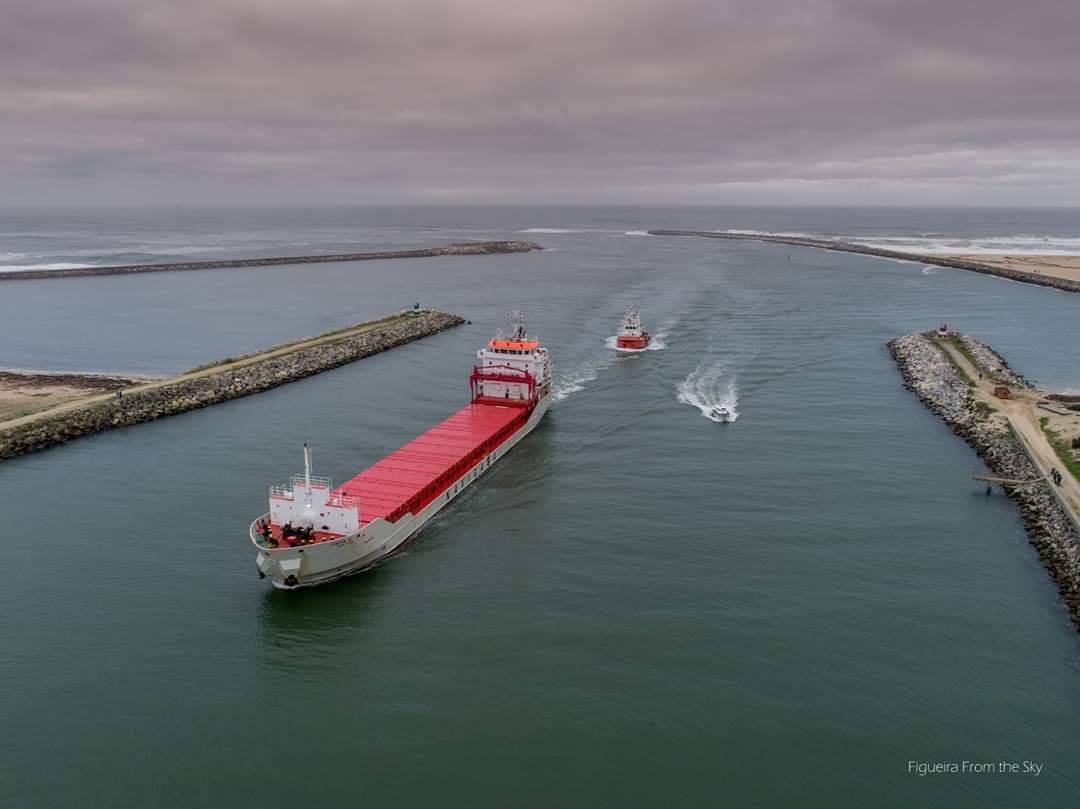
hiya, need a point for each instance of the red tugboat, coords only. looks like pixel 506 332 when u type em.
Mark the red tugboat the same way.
pixel 632 337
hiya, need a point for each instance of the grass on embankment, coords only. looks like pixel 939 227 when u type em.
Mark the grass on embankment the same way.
pixel 952 361
pixel 367 325
pixel 958 344
pixel 1063 450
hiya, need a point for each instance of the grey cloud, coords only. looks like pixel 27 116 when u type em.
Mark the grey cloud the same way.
pixel 611 100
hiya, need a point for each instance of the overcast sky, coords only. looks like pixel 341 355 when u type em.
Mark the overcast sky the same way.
pixel 489 101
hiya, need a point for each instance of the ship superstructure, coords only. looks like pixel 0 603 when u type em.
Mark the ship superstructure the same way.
pixel 632 337
pixel 315 533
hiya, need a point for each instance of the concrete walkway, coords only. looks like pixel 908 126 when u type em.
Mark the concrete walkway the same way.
pixel 1023 414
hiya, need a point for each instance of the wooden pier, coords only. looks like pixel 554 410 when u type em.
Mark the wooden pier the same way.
pixel 990 480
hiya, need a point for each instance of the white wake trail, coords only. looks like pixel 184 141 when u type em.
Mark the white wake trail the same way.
pixel 710 388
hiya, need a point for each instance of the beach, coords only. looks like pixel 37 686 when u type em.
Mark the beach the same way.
pixel 1063 266
pixel 26 392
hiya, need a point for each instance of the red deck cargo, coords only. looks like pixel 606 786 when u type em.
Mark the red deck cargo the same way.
pixel 410 478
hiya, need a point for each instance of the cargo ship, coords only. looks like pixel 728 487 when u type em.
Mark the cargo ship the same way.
pixel 632 337
pixel 315 533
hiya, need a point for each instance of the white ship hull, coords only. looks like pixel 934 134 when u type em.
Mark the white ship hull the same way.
pixel 290 568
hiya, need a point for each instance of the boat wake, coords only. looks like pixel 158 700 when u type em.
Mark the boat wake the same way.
pixel 712 390
pixel 570 382
pixel 929 270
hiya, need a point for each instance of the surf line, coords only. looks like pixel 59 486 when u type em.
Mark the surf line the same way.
pixel 463 249
pixel 879 252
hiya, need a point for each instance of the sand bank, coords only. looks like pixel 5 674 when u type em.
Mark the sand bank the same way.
pixel 25 392
pixel 1067 267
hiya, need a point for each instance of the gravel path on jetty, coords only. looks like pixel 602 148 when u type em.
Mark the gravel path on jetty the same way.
pixel 952 262
pixel 218 382
pixel 464 249
pixel 938 383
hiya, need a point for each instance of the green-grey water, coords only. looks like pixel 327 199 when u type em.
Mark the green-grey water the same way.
pixel 638 607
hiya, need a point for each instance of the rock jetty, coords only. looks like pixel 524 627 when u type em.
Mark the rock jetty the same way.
pixel 463 249
pixel 865 250
pixel 221 382
pixel 990 362
pixel 937 383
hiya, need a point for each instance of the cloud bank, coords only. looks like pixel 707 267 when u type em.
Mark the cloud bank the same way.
pixel 615 101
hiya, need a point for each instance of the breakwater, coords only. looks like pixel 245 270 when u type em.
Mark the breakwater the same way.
pixel 219 382
pixel 939 385
pixel 878 252
pixel 463 249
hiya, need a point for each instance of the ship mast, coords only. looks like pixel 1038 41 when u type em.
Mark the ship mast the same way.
pixel 517 323
pixel 307 475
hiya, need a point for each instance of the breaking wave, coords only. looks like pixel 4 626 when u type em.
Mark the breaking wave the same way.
pixel 583 230
pixel 1021 244
pixel 710 386
pixel 784 233
pixel 551 230
pixel 929 270
pixel 63 265
pixel 940 244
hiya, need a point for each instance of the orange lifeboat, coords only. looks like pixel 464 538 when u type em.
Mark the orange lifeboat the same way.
pixel 632 337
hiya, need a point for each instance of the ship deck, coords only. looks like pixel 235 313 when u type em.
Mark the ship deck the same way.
pixel 423 468
pixel 411 477
pixel 294 541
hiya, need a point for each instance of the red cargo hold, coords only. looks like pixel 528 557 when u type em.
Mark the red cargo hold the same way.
pixel 408 479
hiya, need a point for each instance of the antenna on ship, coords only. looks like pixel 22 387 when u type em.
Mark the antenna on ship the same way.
pixel 307 475
pixel 517 320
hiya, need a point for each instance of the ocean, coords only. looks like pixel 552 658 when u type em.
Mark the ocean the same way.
pixel 637 606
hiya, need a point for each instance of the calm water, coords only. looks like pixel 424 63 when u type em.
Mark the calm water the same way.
pixel 638 607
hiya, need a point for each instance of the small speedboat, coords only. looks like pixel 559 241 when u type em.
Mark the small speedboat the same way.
pixel 720 413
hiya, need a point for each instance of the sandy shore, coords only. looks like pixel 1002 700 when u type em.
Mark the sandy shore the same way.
pixel 23 392
pixel 39 411
pixel 1057 272
pixel 1067 267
